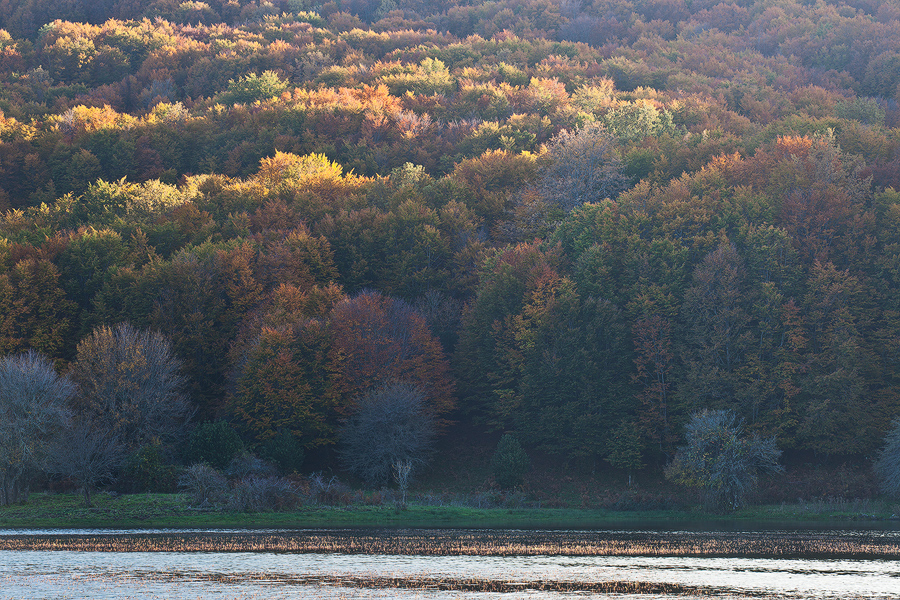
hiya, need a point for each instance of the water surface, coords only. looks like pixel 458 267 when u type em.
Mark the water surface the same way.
pixel 272 575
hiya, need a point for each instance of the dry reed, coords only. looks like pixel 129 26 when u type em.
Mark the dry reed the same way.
pixel 483 543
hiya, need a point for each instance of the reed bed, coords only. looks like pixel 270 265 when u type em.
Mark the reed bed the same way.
pixel 467 584
pixel 483 543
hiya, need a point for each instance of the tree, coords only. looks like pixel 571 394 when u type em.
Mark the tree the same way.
pixel 33 399
pixel 565 358
pixel 214 443
pixel 717 329
pixel 384 339
pixel 624 448
pixel 288 381
pixel 130 384
pixel 887 465
pixel 584 167
pixel 34 310
pixel 88 454
pixel 510 463
pixel 836 417
pixel 653 359
pixel 198 300
pixel 393 424
pixel 720 461
pixel 255 88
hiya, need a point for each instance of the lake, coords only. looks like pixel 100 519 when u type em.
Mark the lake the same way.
pixel 443 564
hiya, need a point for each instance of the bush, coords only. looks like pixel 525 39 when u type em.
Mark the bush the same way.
pixel 214 443
pixel 887 465
pixel 246 464
pixel 510 463
pixel 330 492
pixel 146 471
pixel 204 484
pixel 285 451
pixel 719 461
pixel 256 494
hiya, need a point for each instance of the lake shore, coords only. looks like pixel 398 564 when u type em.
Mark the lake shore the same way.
pixel 144 511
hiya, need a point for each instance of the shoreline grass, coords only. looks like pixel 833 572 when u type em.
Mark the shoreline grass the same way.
pixel 146 511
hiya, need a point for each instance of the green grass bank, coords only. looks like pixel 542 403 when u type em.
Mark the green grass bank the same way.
pixel 174 510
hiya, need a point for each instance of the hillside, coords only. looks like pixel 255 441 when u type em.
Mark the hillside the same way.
pixel 579 223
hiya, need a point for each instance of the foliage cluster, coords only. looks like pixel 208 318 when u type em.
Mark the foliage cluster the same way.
pixel 579 223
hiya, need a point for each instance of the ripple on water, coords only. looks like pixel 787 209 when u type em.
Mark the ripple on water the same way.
pixel 63 574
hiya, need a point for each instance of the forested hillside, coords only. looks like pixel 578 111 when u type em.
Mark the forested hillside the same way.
pixel 577 222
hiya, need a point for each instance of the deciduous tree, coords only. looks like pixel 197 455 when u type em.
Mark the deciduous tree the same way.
pixel 393 423
pixel 584 167
pixel 33 407
pixel 720 460
pixel 131 385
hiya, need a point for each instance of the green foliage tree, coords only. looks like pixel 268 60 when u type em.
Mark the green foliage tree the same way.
pixel 215 443
pixel 34 310
pixel 717 329
pixel 285 451
pixel 624 448
pixel 887 465
pixel 255 88
pixel 288 381
pixel 510 462
pixel 720 461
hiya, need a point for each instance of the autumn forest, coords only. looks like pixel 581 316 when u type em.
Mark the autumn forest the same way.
pixel 576 222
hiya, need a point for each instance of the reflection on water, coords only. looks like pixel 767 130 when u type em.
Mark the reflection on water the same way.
pixel 52 574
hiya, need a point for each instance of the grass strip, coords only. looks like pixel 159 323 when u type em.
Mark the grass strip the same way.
pixel 174 511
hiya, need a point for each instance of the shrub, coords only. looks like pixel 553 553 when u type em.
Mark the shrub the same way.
pixel 145 470
pixel 510 463
pixel 331 492
pixel 256 494
pixel 246 464
pixel 204 484
pixel 214 443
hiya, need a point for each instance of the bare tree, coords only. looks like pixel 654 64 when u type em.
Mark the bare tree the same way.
pixel 391 426
pixel 33 400
pixel 87 454
pixel 402 471
pixel 584 167
pixel 130 385
pixel 720 461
